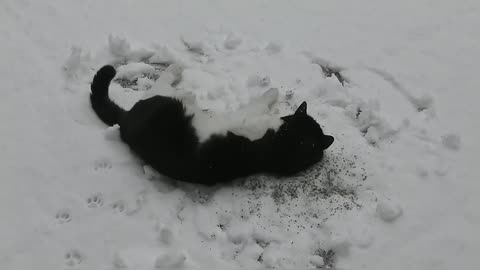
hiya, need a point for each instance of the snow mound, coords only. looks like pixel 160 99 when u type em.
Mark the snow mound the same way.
pixel 133 71
pixel 121 49
pixel 77 64
pixel 388 210
pixel 113 133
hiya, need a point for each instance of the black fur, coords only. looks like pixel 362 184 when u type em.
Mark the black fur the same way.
pixel 160 131
pixel 106 109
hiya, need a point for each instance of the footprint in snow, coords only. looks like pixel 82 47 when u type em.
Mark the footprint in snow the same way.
pixel 170 260
pixel 73 257
pixel 102 164
pixel 63 216
pixel 95 200
pixel 119 206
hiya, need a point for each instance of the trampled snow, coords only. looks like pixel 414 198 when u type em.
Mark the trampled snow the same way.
pixel 393 81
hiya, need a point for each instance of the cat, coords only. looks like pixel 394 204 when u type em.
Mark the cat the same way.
pixel 159 130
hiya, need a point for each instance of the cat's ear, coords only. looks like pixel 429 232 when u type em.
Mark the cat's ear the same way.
pixel 326 141
pixel 302 109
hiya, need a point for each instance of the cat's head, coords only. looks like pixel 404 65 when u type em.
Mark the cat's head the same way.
pixel 299 142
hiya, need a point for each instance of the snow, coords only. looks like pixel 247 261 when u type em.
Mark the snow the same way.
pixel 232 42
pixel 398 188
pixel 256 80
pixel 317 261
pixel 134 71
pixel 171 261
pixel 388 210
pixel 112 133
pixel 451 141
pixel 121 49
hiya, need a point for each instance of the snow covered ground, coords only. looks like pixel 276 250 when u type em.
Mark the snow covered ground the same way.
pixel 397 189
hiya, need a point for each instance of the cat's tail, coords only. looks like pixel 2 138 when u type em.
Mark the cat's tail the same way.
pixel 109 112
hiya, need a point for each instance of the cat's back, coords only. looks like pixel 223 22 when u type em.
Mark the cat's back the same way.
pixel 160 132
pixel 158 125
pixel 139 117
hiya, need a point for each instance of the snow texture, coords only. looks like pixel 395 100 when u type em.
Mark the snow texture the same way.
pixel 393 81
pixel 388 210
pixel 134 71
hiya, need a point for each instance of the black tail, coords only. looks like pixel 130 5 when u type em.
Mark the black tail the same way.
pixel 106 109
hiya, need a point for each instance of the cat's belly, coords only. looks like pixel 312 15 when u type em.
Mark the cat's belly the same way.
pixel 253 127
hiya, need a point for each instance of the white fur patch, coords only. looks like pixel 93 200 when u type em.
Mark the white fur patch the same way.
pixel 251 121
pixel 253 127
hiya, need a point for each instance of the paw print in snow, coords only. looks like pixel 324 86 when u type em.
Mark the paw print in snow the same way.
pixel 103 164
pixel 73 258
pixel 63 216
pixel 95 200
pixel 119 206
pixel 118 262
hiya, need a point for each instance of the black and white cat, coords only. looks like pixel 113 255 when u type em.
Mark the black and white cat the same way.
pixel 159 130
